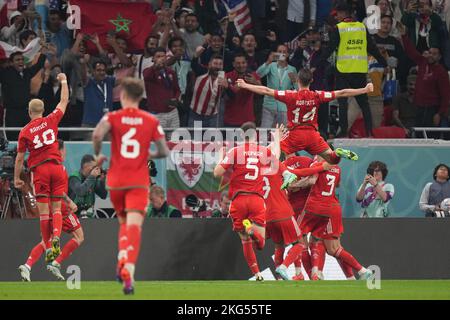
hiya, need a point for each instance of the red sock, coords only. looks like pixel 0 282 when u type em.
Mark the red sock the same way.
pixel 347 258
pixel 123 240
pixel 258 238
pixel 57 223
pixel 293 254
pixel 46 229
pixel 134 242
pixel 334 159
pixel 70 247
pixel 348 271
pixel 279 254
pixel 249 254
pixel 321 251
pixel 306 260
pixel 35 254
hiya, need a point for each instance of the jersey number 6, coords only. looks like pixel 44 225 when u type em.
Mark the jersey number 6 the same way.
pixel 130 148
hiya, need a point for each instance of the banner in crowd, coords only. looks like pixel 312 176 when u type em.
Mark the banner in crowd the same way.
pixel 239 9
pixel 131 20
pixel 29 53
pixel 190 171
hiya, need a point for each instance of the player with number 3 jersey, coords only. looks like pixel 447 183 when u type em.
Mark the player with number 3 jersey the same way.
pixel 132 131
pixel 302 111
pixel 39 138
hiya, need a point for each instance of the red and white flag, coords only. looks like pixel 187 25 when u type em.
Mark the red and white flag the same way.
pixel 29 52
pixel 242 19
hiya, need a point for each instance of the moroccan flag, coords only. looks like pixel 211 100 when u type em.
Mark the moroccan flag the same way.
pixel 29 53
pixel 130 20
pixel 192 173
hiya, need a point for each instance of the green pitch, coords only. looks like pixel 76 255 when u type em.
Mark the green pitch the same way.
pixel 390 289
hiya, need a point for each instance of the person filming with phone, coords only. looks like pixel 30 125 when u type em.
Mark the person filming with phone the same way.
pixel 375 194
pixel 280 76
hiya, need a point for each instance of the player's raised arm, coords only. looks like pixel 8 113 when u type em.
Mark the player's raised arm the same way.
pixel 305 172
pixel 62 105
pixel 102 128
pixel 255 89
pixel 162 150
pixel 353 92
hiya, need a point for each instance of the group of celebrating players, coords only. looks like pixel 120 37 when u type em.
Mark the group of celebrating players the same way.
pixel 260 207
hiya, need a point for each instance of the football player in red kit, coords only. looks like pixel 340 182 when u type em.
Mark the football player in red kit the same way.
pixel 132 131
pixel 47 173
pixel 322 217
pixel 302 110
pixel 247 208
pixel 298 193
pixel 71 225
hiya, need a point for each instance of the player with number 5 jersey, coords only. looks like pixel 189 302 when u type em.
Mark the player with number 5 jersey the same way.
pixel 132 131
pixel 39 138
pixel 302 111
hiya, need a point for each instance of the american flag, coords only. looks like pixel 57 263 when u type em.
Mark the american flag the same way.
pixel 53 4
pixel 242 20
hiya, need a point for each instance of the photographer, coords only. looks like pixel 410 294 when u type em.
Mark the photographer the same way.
pixel 375 194
pixel 434 192
pixel 159 208
pixel 224 210
pixel 86 183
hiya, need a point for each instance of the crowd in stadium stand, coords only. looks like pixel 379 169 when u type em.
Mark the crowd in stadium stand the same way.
pixel 189 47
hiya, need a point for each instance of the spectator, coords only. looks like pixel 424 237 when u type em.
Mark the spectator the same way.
pixel 351 63
pixel 207 92
pixel 249 46
pixel 192 37
pixel 26 37
pixel 434 192
pixel 224 210
pixel 57 32
pixel 375 98
pixel 182 67
pixel 85 183
pixel 217 47
pixel 238 102
pixel 159 208
pixel 98 91
pixel 280 76
pixel 50 91
pixel 121 64
pixel 296 17
pixel 163 92
pixel 404 109
pixel 385 10
pixel 17 24
pixel 375 194
pixel 423 25
pixel 432 92
pixel 16 81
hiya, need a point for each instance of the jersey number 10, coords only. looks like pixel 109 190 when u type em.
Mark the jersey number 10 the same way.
pixel 48 138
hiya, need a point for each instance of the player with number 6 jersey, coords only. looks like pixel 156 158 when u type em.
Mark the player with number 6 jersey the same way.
pixel 302 110
pixel 39 138
pixel 132 131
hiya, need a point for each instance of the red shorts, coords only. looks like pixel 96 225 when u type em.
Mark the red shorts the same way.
pixel 283 232
pixel 322 227
pixel 125 200
pixel 70 223
pixel 49 181
pixel 247 206
pixel 304 138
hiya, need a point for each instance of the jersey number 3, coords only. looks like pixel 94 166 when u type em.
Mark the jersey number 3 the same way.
pixel 331 182
pixel 130 148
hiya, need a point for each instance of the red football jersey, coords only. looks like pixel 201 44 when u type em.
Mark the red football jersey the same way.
pixel 132 131
pixel 323 192
pixel 247 162
pixel 298 199
pixel 277 203
pixel 40 138
pixel 302 106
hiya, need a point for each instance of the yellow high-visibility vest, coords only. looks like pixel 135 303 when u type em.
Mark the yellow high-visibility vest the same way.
pixel 352 51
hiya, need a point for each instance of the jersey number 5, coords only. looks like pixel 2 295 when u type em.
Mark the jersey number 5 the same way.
pixel 48 137
pixel 130 148
pixel 251 165
pixel 331 182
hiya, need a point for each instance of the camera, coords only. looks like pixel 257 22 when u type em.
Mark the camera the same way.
pixel 196 205
pixel 7 159
pixel 152 168
pixel 370 171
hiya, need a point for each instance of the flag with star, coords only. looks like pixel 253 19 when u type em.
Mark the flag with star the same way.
pixel 132 21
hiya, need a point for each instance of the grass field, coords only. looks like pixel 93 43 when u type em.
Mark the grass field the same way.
pixel 222 290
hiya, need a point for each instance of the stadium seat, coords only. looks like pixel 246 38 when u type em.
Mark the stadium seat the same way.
pixel 389 133
pixel 358 129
